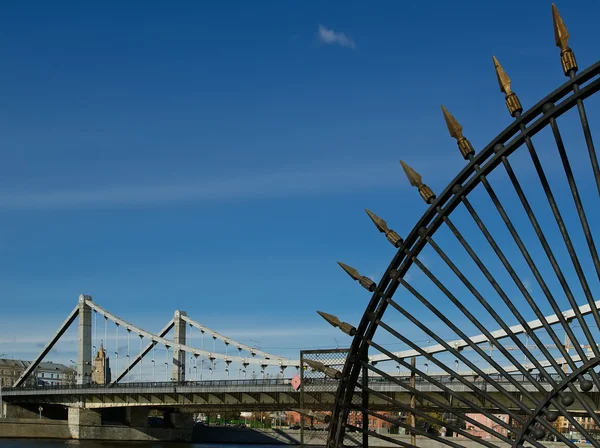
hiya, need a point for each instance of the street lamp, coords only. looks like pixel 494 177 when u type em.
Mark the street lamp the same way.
pixel 1 404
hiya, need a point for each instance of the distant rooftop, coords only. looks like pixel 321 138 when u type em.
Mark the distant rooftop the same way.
pixel 46 366
pixel 12 363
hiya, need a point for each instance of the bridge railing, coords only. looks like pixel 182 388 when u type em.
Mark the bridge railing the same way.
pixel 207 383
pixel 445 379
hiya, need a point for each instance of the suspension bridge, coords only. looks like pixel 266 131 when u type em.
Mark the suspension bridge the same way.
pixel 500 256
pixel 265 393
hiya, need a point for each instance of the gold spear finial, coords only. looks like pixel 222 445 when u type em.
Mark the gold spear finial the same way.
pixel 381 225
pixel 512 101
pixel 455 129
pixel 365 282
pixel 561 38
pixel 414 178
pixel 330 318
pixel 561 34
pixel 503 79
pixel 336 322
pixel 416 181
pixel 350 270
pixel 454 126
pixel 320 367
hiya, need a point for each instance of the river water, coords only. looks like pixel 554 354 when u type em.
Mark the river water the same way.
pixel 35 443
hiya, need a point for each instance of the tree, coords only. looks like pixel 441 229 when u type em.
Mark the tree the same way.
pixel 427 425
pixel 260 418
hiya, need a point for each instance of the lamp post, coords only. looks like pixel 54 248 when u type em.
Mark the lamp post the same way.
pixel 1 403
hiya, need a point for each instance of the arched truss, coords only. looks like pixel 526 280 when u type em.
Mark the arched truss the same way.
pixel 255 357
pixel 488 275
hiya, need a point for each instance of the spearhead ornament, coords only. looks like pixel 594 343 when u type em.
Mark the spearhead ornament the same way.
pixel 455 129
pixel 320 367
pixel 413 177
pixel 336 322
pixel 330 318
pixel 512 101
pixel 503 79
pixel 381 225
pixel 415 180
pixel 561 38
pixel 365 282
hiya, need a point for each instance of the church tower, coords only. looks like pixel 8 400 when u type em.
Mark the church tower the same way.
pixel 101 370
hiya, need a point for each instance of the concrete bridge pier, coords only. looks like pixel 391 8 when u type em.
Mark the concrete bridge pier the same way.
pixel 84 423
pixel 179 420
pixel 136 417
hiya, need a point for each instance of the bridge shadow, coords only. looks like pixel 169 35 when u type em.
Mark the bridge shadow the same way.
pixel 228 434
pixel 256 436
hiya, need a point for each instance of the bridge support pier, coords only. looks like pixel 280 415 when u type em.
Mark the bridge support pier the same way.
pixel 137 417
pixel 82 423
pixel 84 353
pixel 179 420
pixel 179 355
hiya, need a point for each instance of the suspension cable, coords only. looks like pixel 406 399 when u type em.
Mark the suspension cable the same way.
pixel 167 363
pixel 153 363
pixel 201 358
pixel 128 352
pixel 141 358
pixel 117 349
pixel 95 330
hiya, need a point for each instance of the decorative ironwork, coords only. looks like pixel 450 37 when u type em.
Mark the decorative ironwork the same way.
pixel 506 264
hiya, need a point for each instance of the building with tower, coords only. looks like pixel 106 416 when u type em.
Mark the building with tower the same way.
pixel 101 367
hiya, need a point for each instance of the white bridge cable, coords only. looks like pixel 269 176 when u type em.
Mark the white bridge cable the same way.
pixel 143 353
pixel 167 343
pixel 215 335
pixel 498 334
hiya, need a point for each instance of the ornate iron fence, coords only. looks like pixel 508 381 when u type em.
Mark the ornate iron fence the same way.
pixel 510 245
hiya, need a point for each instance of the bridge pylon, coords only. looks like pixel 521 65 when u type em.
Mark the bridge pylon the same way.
pixel 84 352
pixel 179 339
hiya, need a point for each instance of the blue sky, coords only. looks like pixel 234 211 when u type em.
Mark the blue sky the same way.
pixel 217 158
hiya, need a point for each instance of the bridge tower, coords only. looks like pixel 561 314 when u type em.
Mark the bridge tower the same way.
pixel 179 338
pixel 84 356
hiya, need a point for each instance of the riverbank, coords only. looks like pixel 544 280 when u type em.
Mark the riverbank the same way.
pixel 22 428
pixel 60 429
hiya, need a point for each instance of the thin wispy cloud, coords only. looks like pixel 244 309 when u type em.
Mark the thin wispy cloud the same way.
pixel 329 36
pixel 267 185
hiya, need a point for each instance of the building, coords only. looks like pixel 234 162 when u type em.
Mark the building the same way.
pixel 564 426
pixel 101 369
pixel 54 374
pixel 376 424
pixel 321 420
pixel 46 373
pixel 487 422
pixel 10 371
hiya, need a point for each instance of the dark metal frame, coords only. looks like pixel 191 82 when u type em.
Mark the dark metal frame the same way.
pixel 303 366
pixel 570 95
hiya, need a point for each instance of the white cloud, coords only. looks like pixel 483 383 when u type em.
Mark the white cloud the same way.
pixel 329 36
pixel 273 185
pixel 527 285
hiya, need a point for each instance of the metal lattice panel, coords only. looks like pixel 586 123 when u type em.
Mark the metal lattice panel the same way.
pixel 504 265
pixel 314 416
